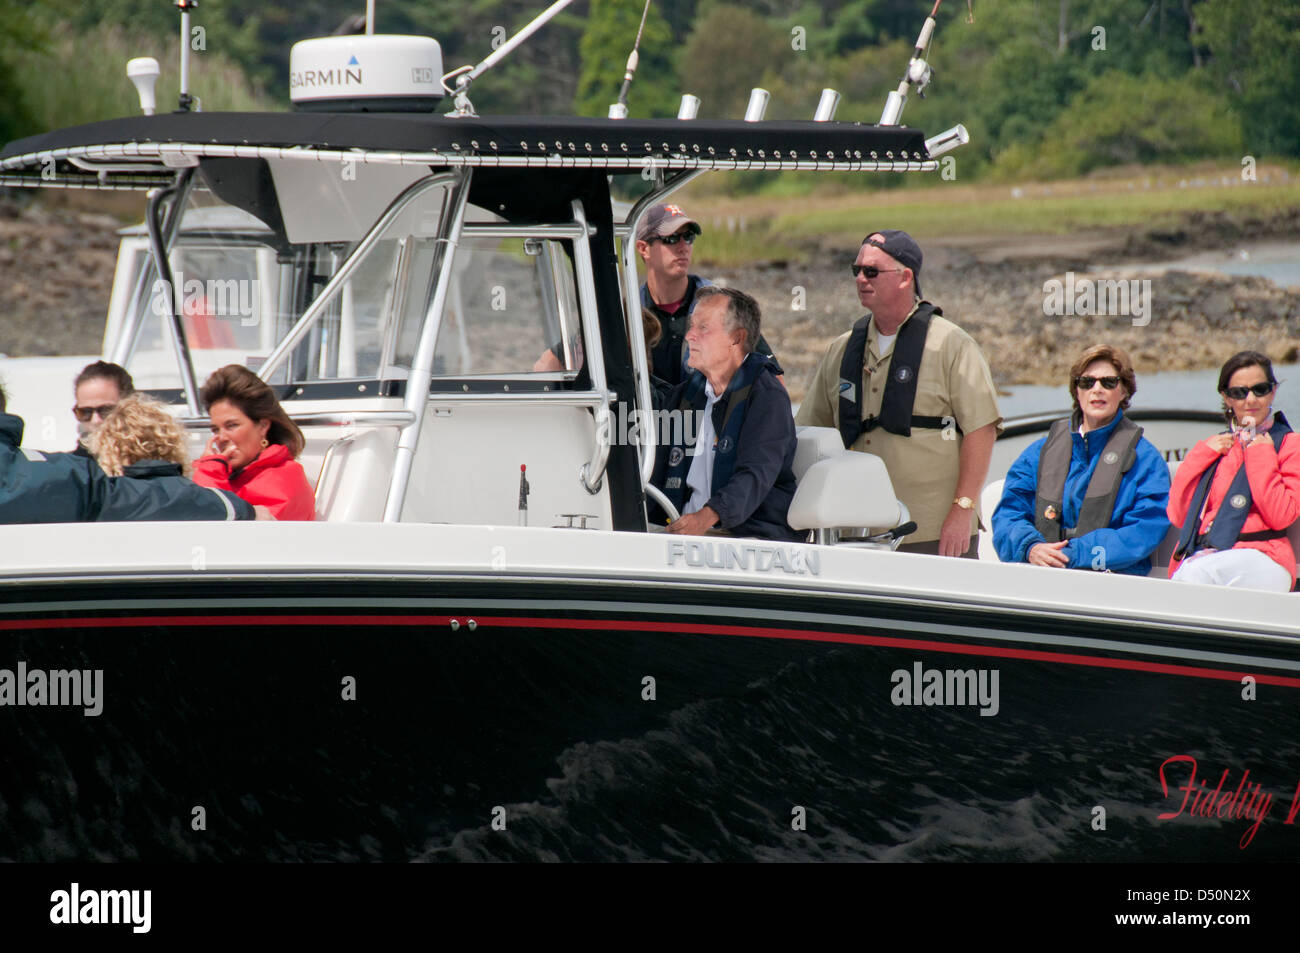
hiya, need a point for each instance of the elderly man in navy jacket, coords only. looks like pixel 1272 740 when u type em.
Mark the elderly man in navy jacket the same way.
pixel 735 468
pixel 66 488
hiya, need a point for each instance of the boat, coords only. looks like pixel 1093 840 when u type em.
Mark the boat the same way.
pixel 457 662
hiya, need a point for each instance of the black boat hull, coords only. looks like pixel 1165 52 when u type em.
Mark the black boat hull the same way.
pixel 370 719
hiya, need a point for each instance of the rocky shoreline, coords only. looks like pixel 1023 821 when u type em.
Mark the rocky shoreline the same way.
pixel 57 262
pixel 997 290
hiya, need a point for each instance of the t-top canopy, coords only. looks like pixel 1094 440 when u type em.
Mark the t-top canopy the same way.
pixel 113 152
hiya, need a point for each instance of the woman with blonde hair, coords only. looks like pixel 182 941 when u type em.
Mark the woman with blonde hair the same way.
pixel 254 446
pixel 139 438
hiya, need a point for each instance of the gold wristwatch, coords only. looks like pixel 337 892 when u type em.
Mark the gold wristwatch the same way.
pixel 965 502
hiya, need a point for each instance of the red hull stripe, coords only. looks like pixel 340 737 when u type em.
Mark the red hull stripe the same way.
pixel 645 625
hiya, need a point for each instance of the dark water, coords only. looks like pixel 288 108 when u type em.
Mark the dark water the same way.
pixel 548 731
pixel 721 780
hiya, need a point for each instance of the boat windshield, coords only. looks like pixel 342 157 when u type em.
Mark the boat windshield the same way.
pixel 511 306
pixel 227 276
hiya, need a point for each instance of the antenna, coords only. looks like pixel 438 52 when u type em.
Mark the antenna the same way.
pixel 918 74
pixel 467 74
pixel 185 6
pixel 618 110
pixel 143 74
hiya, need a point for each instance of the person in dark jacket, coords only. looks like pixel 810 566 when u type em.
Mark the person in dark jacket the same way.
pixel 731 462
pixel 1092 493
pixel 142 441
pixel 40 487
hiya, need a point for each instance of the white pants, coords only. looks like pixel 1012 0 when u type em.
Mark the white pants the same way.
pixel 1243 568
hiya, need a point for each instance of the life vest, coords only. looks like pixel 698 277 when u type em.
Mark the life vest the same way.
pixel 1117 458
pixel 900 389
pixel 726 435
pixel 1225 528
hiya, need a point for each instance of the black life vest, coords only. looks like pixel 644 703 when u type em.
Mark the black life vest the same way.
pixel 1117 458
pixel 900 389
pixel 1225 528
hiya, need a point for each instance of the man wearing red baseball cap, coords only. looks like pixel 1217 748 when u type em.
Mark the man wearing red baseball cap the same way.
pixel 914 389
pixel 665 241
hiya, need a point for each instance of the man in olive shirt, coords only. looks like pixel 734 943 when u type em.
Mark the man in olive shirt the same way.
pixel 913 388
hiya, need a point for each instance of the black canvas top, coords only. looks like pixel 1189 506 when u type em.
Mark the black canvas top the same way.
pixel 503 136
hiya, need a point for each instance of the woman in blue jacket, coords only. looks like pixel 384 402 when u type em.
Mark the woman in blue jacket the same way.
pixel 1092 493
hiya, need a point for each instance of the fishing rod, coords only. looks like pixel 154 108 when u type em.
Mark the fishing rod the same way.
pixel 467 74
pixel 918 73
pixel 618 110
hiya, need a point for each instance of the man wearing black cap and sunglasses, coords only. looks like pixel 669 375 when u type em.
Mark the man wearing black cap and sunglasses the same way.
pixel 913 388
pixel 665 241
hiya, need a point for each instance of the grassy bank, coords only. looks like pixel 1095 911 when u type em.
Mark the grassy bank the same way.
pixel 741 230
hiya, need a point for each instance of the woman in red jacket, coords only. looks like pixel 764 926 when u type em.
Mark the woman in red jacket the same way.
pixel 1236 493
pixel 254 447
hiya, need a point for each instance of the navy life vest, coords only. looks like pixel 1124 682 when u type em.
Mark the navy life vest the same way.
pixel 1225 528
pixel 900 389
pixel 732 405
pixel 1117 458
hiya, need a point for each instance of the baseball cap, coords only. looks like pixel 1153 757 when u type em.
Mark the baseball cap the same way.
pixel 663 220
pixel 901 247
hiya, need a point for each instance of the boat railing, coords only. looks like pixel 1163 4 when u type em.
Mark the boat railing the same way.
pixel 417 393
pixel 632 295
pixel 344 273
pixel 381 418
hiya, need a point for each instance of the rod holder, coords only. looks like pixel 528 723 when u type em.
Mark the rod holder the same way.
pixel 826 106
pixel 690 107
pixel 757 108
pixel 947 140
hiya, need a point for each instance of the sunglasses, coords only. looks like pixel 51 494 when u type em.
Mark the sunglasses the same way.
pixel 1259 390
pixel 870 271
pixel 687 237
pixel 1087 383
pixel 85 413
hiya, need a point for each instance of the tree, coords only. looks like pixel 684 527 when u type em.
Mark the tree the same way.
pixel 727 55
pixel 1255 46
pixel 606 42
pixel 1119 119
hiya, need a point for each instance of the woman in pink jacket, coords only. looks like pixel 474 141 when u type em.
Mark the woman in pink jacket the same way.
pixel 1236 493
pixel 254 447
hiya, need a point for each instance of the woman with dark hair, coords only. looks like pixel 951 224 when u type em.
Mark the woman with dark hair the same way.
pixel 1236 493
pixel 254 446
pixel 96 391
pixel 1092 493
